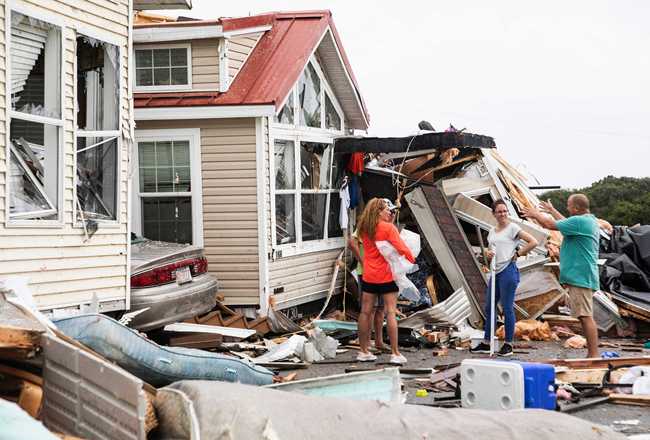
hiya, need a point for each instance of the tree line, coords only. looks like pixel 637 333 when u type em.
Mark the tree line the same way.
pixel 619 200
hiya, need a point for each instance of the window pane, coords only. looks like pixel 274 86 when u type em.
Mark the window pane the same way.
pixel 313 216
pixel 285 116
pixel 309 97
pixel 143 58
pixel 333 224
pixel 179 75
pixel 97 177
pixel 97 84
pixel 147 179
pixel 314 165
pixel 181 153
pixel 179 57
pixel 167 219
pixel 35 66
pixel 161 76
pixel 285 220
pixel 161 58
pixel 285 177
pixel 164 177
pixel 163 154
pixel 144 77
pixel 147 154
pixel 332 118
pixel 182 179
pixel 35 169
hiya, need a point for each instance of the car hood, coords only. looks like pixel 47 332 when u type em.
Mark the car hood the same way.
pixel 148 253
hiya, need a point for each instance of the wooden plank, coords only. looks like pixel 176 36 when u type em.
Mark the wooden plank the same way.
pixel 16 342
pixel 629 399
pixel 598 362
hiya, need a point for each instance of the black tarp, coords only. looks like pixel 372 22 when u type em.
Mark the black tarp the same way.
pixel 627 269
pixel 424 141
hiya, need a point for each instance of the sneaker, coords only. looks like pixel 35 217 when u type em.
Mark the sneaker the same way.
pixel 398 359
pixel 366 357
pixel 506 350
pixel 482 347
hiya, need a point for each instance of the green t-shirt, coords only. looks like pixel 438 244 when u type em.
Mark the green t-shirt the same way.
pixel 579 251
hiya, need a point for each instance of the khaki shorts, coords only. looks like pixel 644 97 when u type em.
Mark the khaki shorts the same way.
pixel 581 301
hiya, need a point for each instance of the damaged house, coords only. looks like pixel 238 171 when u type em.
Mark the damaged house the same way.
pixel 63 165
pixel 234 146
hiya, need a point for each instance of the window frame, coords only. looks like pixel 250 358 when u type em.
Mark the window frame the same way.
pixel 10 7
pixel 324 90
pixel 171 87
pixel 300 246
pixel 299 133
pixel 193 136
pixel 117 133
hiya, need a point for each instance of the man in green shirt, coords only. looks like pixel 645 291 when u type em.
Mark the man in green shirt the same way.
pixel 578 259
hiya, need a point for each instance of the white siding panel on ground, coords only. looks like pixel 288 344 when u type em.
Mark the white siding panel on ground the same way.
pixel 205 64
pixel 239 48
pixel 63 268
pixel 230 217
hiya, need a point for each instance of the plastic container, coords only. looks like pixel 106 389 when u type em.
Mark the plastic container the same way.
pixel 504 385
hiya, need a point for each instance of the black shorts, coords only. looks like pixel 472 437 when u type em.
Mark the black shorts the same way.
pixel 379 288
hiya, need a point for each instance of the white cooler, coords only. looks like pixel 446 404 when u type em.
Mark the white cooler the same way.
pixel 492 385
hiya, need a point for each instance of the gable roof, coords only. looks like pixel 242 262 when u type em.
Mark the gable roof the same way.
pixel 275 64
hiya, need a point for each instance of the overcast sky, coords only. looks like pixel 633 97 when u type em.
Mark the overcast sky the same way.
pixel 562 86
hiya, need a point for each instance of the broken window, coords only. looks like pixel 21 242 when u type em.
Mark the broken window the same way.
pixel 313 216
pixel 165 190
pixel 285 220
pixel 304 213
pixel 309 93
pixel 332 118
pixel 97 178
pixel 162 67
pixel 285 115
pixel 285 172
pixel 97 85
pixel 35 120
pixel 98 124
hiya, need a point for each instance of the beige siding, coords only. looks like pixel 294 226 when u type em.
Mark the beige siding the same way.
pixel 239 48
pixel 63 269
pixel 303 278
pixel 205 64
pixel 230 219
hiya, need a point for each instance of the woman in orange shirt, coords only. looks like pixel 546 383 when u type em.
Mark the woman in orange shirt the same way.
pixel 375 225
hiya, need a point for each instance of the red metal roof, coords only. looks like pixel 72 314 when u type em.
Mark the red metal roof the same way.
pixel 271 69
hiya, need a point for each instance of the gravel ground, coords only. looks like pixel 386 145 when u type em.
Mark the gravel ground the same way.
pixel 604 413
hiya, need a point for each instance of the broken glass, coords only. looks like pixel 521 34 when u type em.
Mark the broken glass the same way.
pixel 285 116
pixel 97 177
pixel 333 224
pixel 35 160
pixel 315 165
pixel 27 198
pixel 313 216
pixel 97 85
pixel 285 220
pixel 332 118
pixel 309 97
pixel 35 66
pixel 285 174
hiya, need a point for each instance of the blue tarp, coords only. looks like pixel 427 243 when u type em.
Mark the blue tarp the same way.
pixel 156 364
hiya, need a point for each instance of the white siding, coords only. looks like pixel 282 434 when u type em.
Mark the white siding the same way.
pixel 303 278
pixel 239 48
pixel 62 269
pixel 229 203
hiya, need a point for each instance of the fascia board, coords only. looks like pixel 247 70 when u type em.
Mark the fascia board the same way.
pixel 203 112
pixel 166 34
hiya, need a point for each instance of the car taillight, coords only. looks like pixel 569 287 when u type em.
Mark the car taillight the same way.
pixel 167 274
